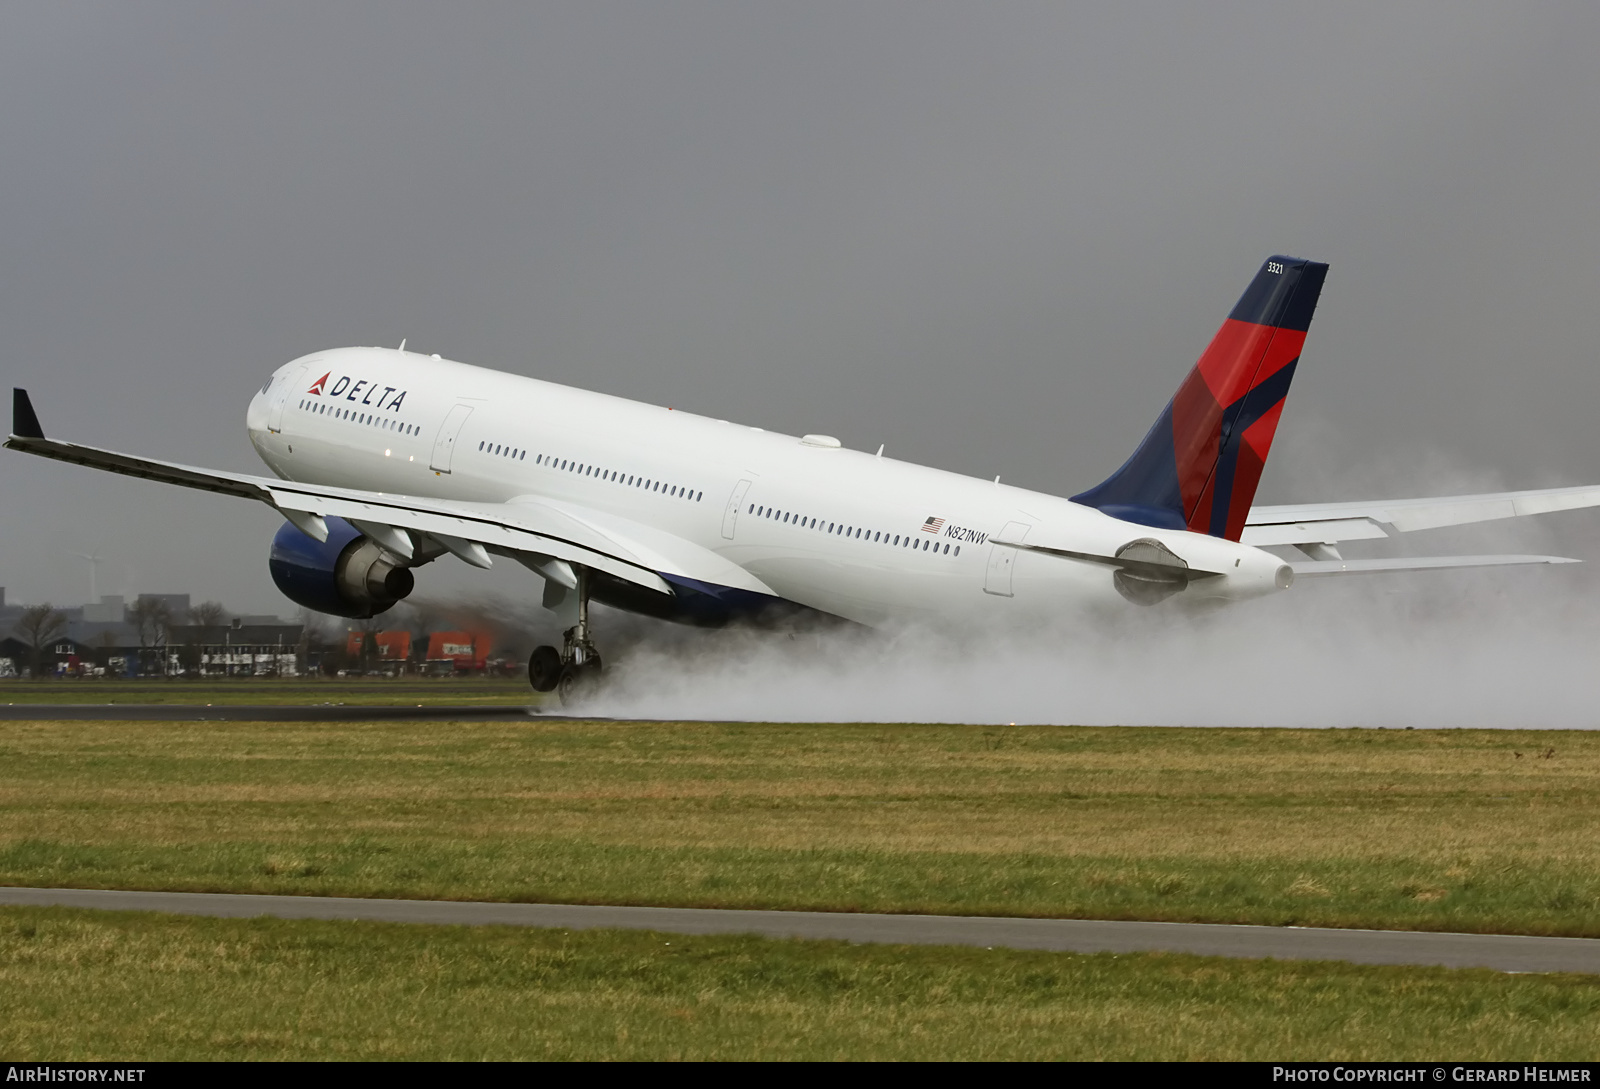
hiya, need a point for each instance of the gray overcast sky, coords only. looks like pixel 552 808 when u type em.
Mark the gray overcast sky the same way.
pixel 992 236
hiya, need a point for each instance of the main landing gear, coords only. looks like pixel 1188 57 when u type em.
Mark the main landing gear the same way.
pixel 574 670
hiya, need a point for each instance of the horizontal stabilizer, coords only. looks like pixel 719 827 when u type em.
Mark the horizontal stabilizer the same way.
pixel 1330 523
pixel 1315 568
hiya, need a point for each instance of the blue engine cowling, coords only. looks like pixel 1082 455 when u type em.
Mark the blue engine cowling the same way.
pixel 346 575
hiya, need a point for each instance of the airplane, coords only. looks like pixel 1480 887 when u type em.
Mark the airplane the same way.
pixel 385 460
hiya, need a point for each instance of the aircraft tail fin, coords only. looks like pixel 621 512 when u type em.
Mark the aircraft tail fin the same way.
pixel 1198 467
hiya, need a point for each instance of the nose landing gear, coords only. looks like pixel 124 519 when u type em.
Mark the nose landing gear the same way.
pixel 574 670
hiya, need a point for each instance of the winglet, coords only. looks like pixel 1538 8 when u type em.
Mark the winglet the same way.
pixel 24 421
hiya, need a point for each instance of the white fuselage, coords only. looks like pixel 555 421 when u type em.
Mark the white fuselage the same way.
pixel 848 533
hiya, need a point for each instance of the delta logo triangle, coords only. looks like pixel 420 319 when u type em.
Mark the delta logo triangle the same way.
pixel 316 387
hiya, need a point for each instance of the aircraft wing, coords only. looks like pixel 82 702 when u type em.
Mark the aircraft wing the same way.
pixel 532 530
pixel 1330 523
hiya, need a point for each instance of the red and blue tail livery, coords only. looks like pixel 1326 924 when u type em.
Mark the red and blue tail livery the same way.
pixel 1198 467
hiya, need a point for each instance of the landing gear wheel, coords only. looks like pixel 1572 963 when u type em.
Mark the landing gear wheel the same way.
pixel 579 680
pixel 573 673
pixel 544 669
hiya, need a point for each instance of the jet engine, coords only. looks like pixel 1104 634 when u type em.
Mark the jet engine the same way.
pixel 349 574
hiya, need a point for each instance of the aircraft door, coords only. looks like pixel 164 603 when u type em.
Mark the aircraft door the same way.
pixel 280 397
pixel 1002 559
pixel 730 517
pixel 444 446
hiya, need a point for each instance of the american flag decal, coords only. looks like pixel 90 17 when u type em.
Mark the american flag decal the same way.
pixel 933 525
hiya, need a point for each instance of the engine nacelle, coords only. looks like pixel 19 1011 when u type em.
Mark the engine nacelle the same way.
pixel 347 575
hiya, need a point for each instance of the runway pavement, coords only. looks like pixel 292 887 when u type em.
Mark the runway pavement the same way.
pixel 305 712
pixel 1504 952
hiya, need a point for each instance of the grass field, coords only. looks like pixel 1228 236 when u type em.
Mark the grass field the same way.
pixel 1446 830
pixel 90 985
pixel 365 691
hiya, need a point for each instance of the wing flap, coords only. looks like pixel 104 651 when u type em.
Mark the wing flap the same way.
pixel 487 524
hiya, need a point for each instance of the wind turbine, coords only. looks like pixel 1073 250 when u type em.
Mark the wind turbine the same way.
pixel 94 569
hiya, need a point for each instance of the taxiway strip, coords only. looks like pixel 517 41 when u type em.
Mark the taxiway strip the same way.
pixel 1503 952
